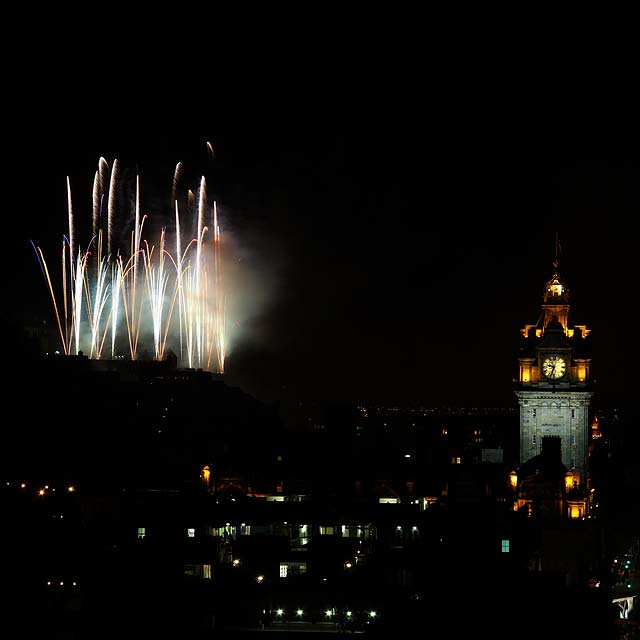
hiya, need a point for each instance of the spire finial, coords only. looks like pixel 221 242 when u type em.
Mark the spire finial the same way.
pixel 556 262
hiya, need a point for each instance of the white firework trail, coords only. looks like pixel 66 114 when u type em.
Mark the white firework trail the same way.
pixel 116 290
pixel 111 207
pixel 101 295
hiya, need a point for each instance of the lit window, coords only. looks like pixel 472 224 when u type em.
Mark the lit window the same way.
pixel 292 568
pixel 191 533
pixel 505 546
pixel 142 532
pixel 327 531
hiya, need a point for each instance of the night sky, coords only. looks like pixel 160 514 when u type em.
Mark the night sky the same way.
pixel 391 251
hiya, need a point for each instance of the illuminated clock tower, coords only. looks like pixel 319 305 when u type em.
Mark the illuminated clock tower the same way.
pixel 553 386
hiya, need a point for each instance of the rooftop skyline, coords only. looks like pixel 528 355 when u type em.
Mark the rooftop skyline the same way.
pixel 373 267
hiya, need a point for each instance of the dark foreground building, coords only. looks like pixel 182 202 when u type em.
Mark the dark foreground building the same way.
pixel 145 500
pixel 148 500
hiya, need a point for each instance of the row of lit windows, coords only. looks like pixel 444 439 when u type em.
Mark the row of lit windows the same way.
pixel 345 531
pixel 287 569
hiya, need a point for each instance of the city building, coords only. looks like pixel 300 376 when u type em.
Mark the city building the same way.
pixel 167 500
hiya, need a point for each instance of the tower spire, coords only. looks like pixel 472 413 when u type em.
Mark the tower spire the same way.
pixel 556 262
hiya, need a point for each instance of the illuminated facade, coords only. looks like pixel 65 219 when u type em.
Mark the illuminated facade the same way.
pixel 554 385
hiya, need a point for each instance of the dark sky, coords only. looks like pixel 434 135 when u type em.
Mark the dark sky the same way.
pixel 394 248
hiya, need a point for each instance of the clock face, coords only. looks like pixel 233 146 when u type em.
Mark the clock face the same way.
pixel 554 367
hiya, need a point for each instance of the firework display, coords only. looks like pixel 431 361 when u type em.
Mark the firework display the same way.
pixel 147 300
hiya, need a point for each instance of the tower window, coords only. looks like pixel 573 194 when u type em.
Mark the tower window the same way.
pixel 573 440
pixel 505 546
pixel 573 413
pixel 533 438
pixel 533 413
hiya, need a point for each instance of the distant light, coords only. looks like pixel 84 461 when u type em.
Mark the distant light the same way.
pixel 259 579
pixel 48 583
pixel 23 486
pixel 41 492
pixel 372 614
pixel 236 562
pixel 62 584
pixel 74 584
pixel 299 612
pixel 279 612
pixel 328 613
pixel 348 614
pixel 348 565
pixel 71 489
pixel 407 455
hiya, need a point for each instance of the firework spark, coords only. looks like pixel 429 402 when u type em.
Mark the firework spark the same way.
pixel 128 299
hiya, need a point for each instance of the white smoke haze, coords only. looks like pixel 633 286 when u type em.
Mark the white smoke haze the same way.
pixel 249 283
